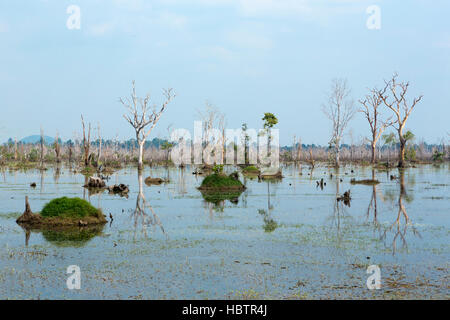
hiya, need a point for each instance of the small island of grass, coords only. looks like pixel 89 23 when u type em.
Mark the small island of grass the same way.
pixel 63 212
pixel 218 182
pixel 251 170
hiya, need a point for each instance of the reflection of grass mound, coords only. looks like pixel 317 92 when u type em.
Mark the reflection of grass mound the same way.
pixel 217 197
pixel 71 237
pixel 69 208
pixel 221 182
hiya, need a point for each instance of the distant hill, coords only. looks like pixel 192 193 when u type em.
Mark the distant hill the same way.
pixel 37 139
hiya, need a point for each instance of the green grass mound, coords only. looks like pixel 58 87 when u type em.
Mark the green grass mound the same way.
pixel 69 208
pixel 221 182
pixel 251 170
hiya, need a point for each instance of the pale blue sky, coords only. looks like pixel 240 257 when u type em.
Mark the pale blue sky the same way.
pixel 245 56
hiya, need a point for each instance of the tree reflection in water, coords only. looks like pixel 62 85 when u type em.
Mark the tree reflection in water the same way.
pixel 270 224
pixel 373 206
pixel 141 216
pixel 402 223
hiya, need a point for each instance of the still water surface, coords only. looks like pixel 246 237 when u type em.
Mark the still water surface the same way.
pixel 287 239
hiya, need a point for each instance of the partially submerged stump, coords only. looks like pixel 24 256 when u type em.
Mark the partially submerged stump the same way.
pixel 28 216
pixel 271 173
pixel 119 188
pixel 149 181
pixel 346 198
pixel 369 182
pixel 95 182
pixel 62 212
pixel 321 183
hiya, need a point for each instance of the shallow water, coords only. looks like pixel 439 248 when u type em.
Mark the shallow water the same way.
pixel 284 239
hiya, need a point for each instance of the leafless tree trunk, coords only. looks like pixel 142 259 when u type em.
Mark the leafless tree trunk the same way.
pixel 401 108
pixel 99 155
pixel 370 108
pixel 140 115
pixel 86 143
pixel 15 149
pixel 41 142
pixel 57 148
pixel 340 110
pixel 210 117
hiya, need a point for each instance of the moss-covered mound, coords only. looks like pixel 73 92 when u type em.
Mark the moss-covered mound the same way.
pixel 251 170
pixel 70 208
pixel 221 182
pixel 63 212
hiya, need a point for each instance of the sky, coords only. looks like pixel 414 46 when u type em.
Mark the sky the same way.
pixel 246 57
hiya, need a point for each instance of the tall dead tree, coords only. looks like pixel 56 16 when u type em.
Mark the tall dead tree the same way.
pixel 99 154
pixel 41 144
pixel 211 117
pixel 402 109
pixel 370 108
pixel 141 114
pixel 15 149
pixel 57 148
pixel 86 142
pixel 340 110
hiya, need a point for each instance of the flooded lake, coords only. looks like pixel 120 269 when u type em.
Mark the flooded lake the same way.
pixel 287 239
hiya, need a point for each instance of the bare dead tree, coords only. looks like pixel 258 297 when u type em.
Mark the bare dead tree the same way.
pixel 99 153
pixel 86 142
pixel 41 143
pixel 211 117
pixel 141 114
pixel 222 125
pixel 370 109
pixel 401 108
pixel 340 110
pixel 57 148
pixel 15 149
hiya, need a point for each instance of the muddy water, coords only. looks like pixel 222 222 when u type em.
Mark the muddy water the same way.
pixel 286 239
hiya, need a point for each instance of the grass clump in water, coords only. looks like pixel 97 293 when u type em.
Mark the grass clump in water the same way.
pixel 251 170
pixel 222 182
pixel 69 208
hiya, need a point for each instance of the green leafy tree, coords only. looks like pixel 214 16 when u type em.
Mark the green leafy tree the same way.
pixel 270 120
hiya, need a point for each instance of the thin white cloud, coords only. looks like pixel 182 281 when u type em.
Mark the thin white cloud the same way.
pixel 101 29
pixel 172 20
pixel 281 8
pixel 249 39
pixel 4 27
pixel 216 52
pixel 442 43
